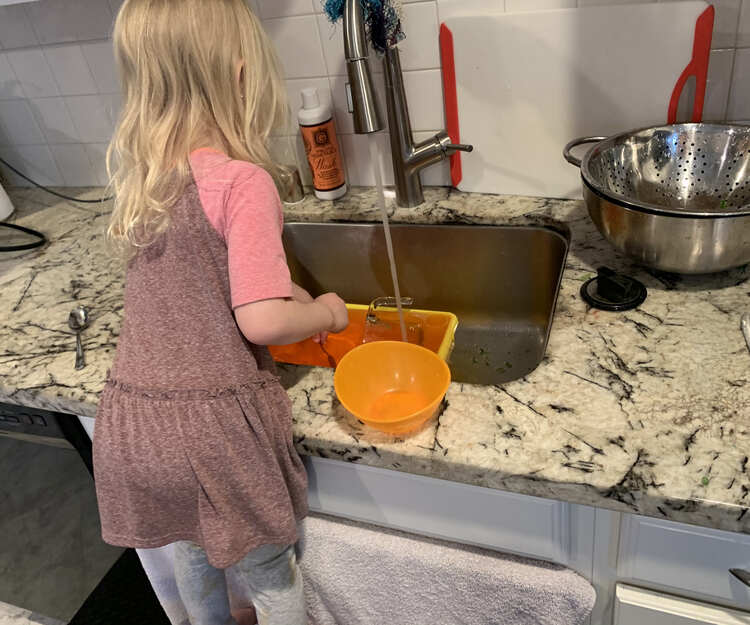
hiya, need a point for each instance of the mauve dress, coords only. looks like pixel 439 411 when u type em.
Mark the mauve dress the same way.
pixel 193 436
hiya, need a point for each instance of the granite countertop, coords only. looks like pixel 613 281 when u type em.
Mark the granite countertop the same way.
pixel 646 411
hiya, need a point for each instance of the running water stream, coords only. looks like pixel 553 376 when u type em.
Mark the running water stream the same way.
pixel 378 169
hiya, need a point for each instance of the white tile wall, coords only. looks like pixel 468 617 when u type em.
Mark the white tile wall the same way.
pixel 10 87
pixel 719 80
pixel 58 89
pixel 537 5
pixel 33 72
pixel 53 117
pixel 15 27
pixel 58 85
pixel 19 124
pixel 743 32
pixel 70 69
pixel 298 45
pixel 283 8
pixel 739 99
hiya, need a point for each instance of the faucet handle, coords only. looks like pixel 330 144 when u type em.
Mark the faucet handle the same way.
pixel 459 147
pixel 443 141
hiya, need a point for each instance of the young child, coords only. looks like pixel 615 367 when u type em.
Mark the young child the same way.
pixel 193 440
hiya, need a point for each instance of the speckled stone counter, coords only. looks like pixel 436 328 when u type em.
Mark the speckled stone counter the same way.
pixel 646 411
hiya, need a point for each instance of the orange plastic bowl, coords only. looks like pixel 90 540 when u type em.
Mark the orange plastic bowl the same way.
pixel 392 386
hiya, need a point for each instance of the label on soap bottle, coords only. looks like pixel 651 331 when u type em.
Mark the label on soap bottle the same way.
pixel 324 156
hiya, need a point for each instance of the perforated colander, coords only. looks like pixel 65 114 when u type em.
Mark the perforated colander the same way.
pixel 675 198
pixel 696 170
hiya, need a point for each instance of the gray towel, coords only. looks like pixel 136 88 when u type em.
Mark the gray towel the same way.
pixel 358 574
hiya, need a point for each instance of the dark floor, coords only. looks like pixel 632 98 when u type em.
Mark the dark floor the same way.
pixel 51 553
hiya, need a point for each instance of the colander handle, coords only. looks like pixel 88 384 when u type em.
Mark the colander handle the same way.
pixel 573 160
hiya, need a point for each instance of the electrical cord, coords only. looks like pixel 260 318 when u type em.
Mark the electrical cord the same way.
pixel 40 238
pixel 48 190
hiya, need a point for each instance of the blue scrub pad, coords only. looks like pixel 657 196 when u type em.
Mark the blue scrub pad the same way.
pixel 383 19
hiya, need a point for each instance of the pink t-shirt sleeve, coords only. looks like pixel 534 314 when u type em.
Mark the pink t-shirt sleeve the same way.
pixel 240 200
pixel 254 223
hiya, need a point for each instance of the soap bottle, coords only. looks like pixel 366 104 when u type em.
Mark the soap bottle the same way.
pixel 322 147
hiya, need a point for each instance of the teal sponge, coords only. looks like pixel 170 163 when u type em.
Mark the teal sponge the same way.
pixel 383 19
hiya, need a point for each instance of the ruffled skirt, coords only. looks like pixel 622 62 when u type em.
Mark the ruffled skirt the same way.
pixel 217 468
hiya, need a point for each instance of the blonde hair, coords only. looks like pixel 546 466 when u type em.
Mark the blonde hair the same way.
pixel 178 62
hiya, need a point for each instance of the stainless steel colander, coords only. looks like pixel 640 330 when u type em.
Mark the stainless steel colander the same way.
pixel 674 197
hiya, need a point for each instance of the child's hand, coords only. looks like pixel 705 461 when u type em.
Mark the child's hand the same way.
pixel 320 337
pixel 338 311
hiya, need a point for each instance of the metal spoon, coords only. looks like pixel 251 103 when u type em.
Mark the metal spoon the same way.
pixel 78 320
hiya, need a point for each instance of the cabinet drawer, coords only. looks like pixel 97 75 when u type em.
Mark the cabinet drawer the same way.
pixel 688 559
pixel 489 518
pixel 635 606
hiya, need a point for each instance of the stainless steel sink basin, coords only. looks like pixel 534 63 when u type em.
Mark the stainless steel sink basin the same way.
pixel 501 281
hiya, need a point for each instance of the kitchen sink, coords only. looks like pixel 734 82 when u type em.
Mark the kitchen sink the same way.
pixel 501 281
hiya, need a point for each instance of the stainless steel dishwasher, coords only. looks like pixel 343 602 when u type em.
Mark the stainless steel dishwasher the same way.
pixel 51 552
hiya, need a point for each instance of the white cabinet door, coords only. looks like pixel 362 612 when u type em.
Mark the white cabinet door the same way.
pixel 520 524
pixel 687 560
pixel 635 606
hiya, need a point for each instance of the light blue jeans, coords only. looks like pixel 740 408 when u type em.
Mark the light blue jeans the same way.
pixel 273 585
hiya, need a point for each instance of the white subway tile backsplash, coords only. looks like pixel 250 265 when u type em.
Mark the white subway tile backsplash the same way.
pixel 725 25
pixel 424 91
pixel 743 33
pixel 94 117
pixel 538 5
pixel 115 5
pixel 42 166
pixel 33 72
pixel 93 19
pixel 97 153
pixel 739 95
pixel 35 161
pixel 284 8
pixel 15 28
pixel 10 86
pixel 61 21
pixel 332 40
pixel 54 120
pixel 53 20
pixel 420 49
pixel 101 61
pixel 70 69
pixel 717 88
pixel 589 3
pixel 18 123
pixel 74 165
pixel 298 44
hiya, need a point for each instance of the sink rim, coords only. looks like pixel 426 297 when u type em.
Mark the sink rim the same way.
pixel 559 228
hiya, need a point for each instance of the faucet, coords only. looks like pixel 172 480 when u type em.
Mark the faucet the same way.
pixel 409 158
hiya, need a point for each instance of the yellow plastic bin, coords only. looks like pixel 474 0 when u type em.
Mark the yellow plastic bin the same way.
pixel 433 330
